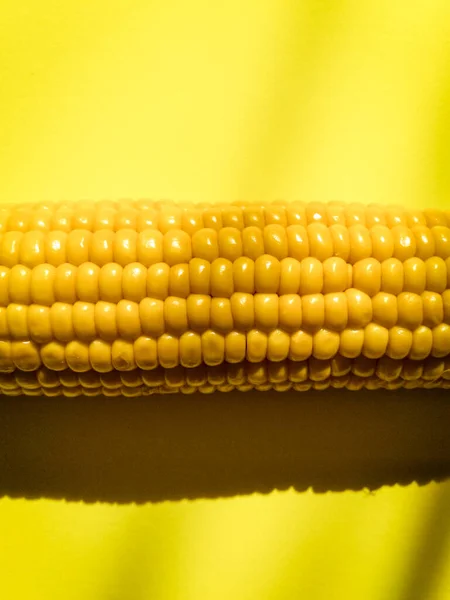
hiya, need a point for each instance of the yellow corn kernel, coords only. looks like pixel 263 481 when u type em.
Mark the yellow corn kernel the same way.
pixel 298 242
pixel 235 347
pixel 433 309
pixel 230 243
pixel 190 349
pixel 290 312
pixel 425 242
pixel 222 285
pixel 441 237
pixel 212 218
pixel 313 311
pixel 16 284
pixel 42 284
pixel 281 376
pixel 290 274
pixel 320 241
pixel 335 213
pixel 213 348
pixel 275 214
pixel 128 319
pixel 351 342
pixel 254 216
pixel 179 281
pixel 382 242
pixel 410 310
pixel 376 340
pixel 275 241
pixel 122 355
pixel 422 343
pixel 392 276
pixel 221 315
pixel 360 243
pixel 243 275
pixel 415 275
pixel 177 247
pixel 151 315
pixel 434 217
pixel 25 355
pixel 149 247
pixel 192 220
pixel 256 346
pixel 404 242
pixel 205 245
pixel 436 274
pixel 266 311
pixel 441 340
pixel 146 352
pixel 16 316
pixel 119 286
pixel 359 308
pixel 199 276
pixel 355 214
pixel 325 344
pixel 100 356
pixel 301 345
pixel 278 344
pixel 169 218
pixel 335 275
pixel 341 241
pixel 336 311
pixel 311 276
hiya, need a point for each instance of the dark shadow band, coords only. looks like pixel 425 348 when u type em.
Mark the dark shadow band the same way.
pixel 172 447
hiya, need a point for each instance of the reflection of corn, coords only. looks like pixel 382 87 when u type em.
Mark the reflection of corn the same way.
pixel 339 372
pixel 137 286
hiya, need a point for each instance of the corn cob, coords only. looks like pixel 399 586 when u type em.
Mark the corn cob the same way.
pixel 312 374
pixel 130 289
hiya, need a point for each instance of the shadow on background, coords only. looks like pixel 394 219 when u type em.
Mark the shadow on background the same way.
pixel 172 447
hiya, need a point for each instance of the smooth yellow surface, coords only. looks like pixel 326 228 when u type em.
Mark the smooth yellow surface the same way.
pixel 258 99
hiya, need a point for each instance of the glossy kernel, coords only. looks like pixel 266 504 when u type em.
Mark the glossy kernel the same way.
pixel 415 275
pixel 359 308
pixel 158 276
pixel 230 243
pixel 367 276
pixel 385 309
pixel 205 245
pixel 290 312
pixel 404 242
pixel 313 311
pixel 298 242
pixel 392 276
pixel 341 241
pixel 275 241
pixel 134 282
pixel 290 275
pixel 335 275
pixel 177 247
pixel 410 310
pixel 336 311
pixel 311 276
pixel 320 241
pixel 77 246
pixel 267 274
pixel 252 242
pixel 17 285
pixel 436 274
pixel 360 243
pixel 266 311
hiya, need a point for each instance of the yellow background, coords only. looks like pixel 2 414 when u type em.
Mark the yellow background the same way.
pixel 256 99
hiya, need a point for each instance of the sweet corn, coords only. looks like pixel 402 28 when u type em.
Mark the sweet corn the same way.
pixel 286 375
pixel 142 291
